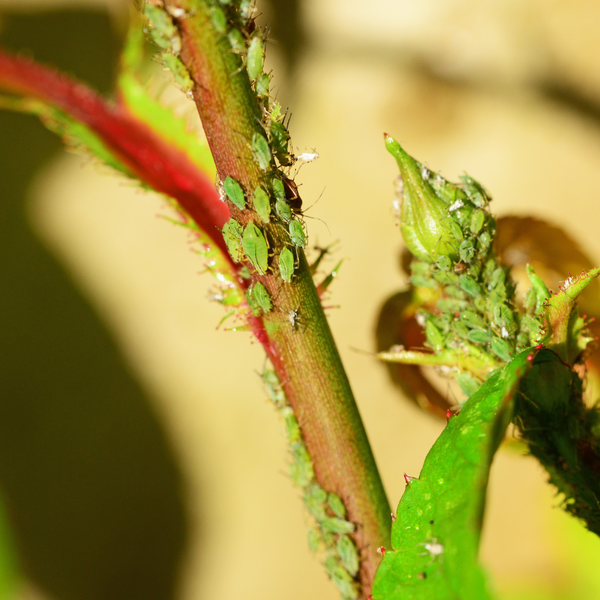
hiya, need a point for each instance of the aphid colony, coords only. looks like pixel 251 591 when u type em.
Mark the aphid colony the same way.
pixel 275 200
pixel 163 31
pixel 470 314
pixel 330 532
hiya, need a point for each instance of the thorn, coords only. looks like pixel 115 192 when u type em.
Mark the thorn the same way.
pixel 448 415
pixel 393 517
pixel 381 550
pixel 408 478
pixel 529 357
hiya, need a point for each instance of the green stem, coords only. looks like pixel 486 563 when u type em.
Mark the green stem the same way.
pixel 296 334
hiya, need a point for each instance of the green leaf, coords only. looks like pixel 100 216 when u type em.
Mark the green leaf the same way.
pixel 435 537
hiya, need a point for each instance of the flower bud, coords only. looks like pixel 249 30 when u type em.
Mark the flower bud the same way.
pixel 424 215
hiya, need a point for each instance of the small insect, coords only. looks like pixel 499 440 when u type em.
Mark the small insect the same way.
pixel 280 140
pixel 501 348
pixel 255 57
pixel 292 196
pixel 261 150
pixel 284 212
pixel 232 234
pixel 291 425
pixel 262 85
pixel 336 505
pixel 348 555
pixel 336 525
pixel 262 204
pixel 301 470
pixel 164 33
pixel 218 19
pixel 234 192
pixel 180 72
pixel 261 296
pixel 293 318
pixel 255 247
pixel 433 548
pixel 469 285
pixel 237 41
pixel 286 264
pixel 278 189
pixel 477 220
pixel 297 234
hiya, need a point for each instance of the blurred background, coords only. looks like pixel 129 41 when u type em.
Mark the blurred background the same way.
pixel 139 456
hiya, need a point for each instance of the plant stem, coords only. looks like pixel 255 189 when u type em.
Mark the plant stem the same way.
pixel 296 335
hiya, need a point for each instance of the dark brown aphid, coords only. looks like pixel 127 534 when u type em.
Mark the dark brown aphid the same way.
pixel 292 196
pixel 460 267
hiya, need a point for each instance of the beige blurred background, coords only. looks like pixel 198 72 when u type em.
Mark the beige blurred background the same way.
pixel 507 91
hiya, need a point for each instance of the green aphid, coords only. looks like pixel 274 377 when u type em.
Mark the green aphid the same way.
pixel 461 329
pixel 477 220
pixel 283 210
pixel 348 555
pixel 456 292
pixel 419 267
pixel 501 348
pixel 451 305
pixel 262 204
pixel 479 336
pixel 475 191
pixel 315 541
pixel 466 251
pixel 341 578
pixel 278 189
pixel 485 239
pixel 256 57
pixel 246 9
pixel 468 384
pixel 180 72
pixel 255 247
pixel 261 296
pixel 286 264
pixel 245 273
pixel 434 336
pixel 261 150
pixel 446 277
pixel 498 278
pixel 234 192
pixel 472 319
pixel 336 505
pixel 218 19
pixel 444 263
pixel 262 85
pixel 469 285
pixel 273 386
pixel 453 228
pixel 232 234
pixel 420 281
pixel 503 317
pixel 252 303
pixel 336 525
pixel 297 234
pixel 292 428
pixel 237 41
pixel 280 139
pixel 301 470
pixel 165 34
pixel 314 500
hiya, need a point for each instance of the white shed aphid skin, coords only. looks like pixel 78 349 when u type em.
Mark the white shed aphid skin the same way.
pixel 458 204
pixel 308 156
